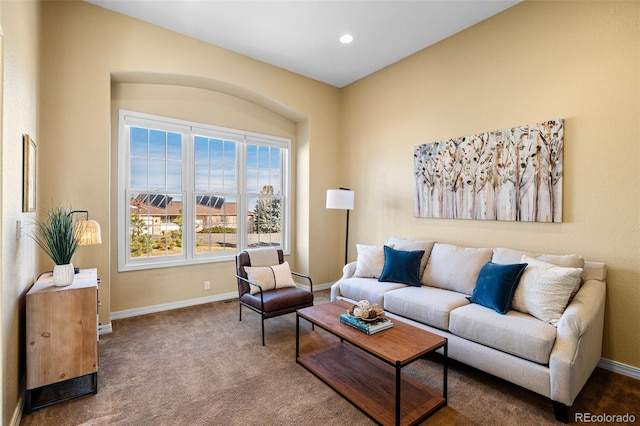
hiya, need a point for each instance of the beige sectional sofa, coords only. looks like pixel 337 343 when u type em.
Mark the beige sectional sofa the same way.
pixel 549 339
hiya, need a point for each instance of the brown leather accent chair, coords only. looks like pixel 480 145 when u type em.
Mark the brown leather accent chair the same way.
pixel 270 303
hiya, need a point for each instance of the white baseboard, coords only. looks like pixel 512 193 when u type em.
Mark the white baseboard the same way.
pixel 618 367
pixel 184 304
pixel 105 328
pixel 316 287
pixel 173 305
pixel 19 410
pixel 323 286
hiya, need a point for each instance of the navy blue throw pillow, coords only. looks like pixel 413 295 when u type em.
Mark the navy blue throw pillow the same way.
pixel 496 286
pixel 402 266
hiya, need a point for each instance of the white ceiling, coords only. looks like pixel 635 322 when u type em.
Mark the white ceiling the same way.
pixel 302 35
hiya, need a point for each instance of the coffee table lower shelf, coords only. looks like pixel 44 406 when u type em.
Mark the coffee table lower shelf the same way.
pixel 370 384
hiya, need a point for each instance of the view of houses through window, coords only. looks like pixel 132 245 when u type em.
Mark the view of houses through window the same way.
pixel 196 193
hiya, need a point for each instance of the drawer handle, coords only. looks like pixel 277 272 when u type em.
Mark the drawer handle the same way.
pixel 46 334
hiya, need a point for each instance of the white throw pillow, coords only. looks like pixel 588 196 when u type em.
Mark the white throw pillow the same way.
pixel 544 289
pixel 270 277
pixel 455 268
pixel 410 245
pixel 370 261
pixel 505 256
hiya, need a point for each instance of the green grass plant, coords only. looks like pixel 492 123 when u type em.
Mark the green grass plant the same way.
pixel 58 235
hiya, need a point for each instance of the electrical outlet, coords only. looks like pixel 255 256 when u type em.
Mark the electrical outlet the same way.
pixel 207 285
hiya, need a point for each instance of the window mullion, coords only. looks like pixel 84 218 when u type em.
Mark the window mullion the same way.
pixel 189 208
pixel 242 214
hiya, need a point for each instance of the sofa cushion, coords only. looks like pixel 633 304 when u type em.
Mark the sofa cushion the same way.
pixel 366 289
pixel 496 285
pixel 455 268
pixel 410 245
pixel 370 261
pixel 515 333
pixel 401 266
pixel 428 305
pixel 545 289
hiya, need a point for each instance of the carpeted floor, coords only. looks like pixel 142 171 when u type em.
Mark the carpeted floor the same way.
pixel 201 366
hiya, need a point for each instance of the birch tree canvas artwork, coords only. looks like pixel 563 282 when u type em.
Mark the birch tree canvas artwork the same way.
pixel 512 174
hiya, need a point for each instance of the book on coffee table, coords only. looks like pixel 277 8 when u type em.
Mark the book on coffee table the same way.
pixel 369 327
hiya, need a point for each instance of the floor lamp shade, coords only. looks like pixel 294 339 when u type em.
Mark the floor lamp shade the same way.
pixel 341 199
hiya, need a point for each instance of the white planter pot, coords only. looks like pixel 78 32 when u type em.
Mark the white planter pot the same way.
pixel 63 275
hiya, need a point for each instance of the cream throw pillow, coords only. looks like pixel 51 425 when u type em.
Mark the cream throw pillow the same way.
pixel 270 277
pixel 370 261
pixel 455 268
pixel 544 289
pixel 507 256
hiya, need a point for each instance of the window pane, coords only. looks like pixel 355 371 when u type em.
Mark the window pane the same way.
pixel 263 180
pixel 274 158
pixel 215 151
pixel 263 157
pixel 275 182
pixel 266 169
pixel 155 224
pixel 157 174
pixel 139 143
pixel 157 144
pixel 138 173
pixel 216 223
pixel 252 156
pixel 174 176
pixel 139 227
pixel 201 150
pixel 264 221
pixel 230 181
pixel 201 171
pixel 174 146
pixel 252 181
pixel 215 165
pixel 155 206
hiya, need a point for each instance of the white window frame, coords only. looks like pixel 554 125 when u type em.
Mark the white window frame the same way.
pixel 190 130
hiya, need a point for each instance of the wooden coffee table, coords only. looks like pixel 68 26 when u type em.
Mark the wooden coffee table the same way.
pixel 367 369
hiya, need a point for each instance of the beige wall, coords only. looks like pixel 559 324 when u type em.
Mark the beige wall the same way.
pixel 87 52
pixel 20 94
pixel 536 61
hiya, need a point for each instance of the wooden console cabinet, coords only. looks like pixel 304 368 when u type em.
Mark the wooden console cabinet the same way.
pixel 62 339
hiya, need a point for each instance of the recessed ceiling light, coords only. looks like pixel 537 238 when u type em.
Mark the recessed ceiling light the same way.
pixel 346 39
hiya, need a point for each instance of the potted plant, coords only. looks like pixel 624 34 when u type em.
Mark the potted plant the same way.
pixel 59 236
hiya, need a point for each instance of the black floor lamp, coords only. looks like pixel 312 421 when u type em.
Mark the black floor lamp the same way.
pixel 342 199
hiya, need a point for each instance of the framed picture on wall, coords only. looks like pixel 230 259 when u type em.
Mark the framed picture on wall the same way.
pixel 28 174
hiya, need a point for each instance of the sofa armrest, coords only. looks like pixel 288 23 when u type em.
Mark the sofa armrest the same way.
pixel 578 346
pixel 347 272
